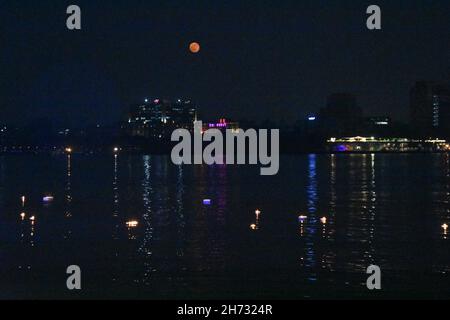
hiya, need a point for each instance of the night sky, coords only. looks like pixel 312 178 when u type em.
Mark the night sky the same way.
pixel 259 59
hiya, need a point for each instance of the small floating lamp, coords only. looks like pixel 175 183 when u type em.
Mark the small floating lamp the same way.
pixel 207 202
pixel 132 224
pixel 47 199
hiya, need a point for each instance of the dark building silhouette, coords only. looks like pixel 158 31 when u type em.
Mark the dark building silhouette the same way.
pixel 342 115
pixel 3 135
pixel 430 108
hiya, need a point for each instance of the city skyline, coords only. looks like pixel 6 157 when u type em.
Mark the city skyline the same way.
pixel 253 63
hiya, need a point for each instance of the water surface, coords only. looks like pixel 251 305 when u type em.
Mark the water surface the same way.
pixel 384 209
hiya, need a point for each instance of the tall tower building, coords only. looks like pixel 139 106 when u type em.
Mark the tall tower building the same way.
pixel 430 108
pixel 158 118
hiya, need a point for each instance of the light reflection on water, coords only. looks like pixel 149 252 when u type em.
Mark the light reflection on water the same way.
pixel 379 209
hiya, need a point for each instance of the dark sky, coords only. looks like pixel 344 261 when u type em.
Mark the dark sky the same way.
pixel 259 58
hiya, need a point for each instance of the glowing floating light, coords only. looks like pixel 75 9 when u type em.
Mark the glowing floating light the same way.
pixel 132 224
pixel 323 220
pixel 302 218
pixel 48 199
pixel 445 227
pixel 22 215
pixel 207 202
pixel 253 226
pixel 32 218
pixel 69 150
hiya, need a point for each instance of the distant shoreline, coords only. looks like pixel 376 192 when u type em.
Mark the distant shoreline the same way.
pixel 168 153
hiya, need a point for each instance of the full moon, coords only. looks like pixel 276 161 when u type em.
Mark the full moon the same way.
pixel 194 47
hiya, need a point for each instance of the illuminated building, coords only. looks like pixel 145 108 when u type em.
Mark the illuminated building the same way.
pixel 158 118
pixel 183 113
pixel 223 124
pixel 430 108
pixel 372 144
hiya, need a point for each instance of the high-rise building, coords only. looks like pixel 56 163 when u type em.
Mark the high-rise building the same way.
pixel 342 115
pixel 430 108
pixel 183 113
pixel 158 118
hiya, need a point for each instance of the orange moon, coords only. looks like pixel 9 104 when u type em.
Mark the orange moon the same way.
pixel 194 47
